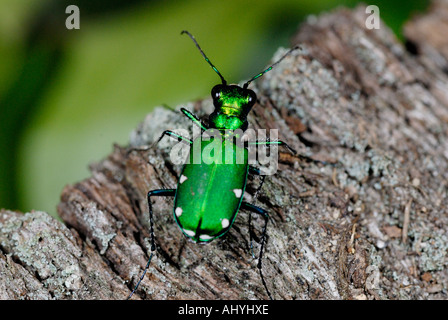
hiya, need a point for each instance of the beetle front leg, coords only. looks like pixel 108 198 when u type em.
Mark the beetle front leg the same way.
pixel 194 118
pixel 176 136
pixel 152 193
pixel 169 133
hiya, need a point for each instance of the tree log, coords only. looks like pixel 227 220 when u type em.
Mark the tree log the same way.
pixel 365 220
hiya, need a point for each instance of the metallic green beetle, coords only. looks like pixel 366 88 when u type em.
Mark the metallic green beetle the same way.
pixel 209 194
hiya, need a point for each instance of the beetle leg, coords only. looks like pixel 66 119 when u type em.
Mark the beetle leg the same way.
pixel 194 118
pixel 250 236
pixel 165 133
pixel 175 136
pixel 152 193
pixel 264 214
pixel 257 172
pixel 281 143
pixel 276 142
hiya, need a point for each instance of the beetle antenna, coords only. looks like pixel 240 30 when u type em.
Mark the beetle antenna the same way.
pixel 224 82
pixel 270 68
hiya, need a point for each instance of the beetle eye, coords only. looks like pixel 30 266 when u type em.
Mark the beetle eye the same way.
pixel 216 91
pixel 252 97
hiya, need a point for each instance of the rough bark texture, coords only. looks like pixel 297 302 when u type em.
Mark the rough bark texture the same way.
pixel 369 223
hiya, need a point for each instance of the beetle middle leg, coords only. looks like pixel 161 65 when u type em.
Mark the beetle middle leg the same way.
pixel 269 143
pixel 281 143
pixel 257 172
pixel 152 193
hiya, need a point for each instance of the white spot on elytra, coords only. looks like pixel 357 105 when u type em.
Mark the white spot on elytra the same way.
pixel 182 179
pixel 178 211
pixel 189 233
pixel 225 223
pixel 205 237
pixel 238 192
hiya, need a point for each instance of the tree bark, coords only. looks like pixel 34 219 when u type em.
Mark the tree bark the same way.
pixel 366 220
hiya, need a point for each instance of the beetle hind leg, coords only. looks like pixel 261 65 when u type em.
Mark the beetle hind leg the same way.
pixel 257 172
pixel 264 214
pixel 152 193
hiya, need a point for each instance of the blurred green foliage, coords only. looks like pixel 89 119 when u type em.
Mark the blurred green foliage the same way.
pixel 67 95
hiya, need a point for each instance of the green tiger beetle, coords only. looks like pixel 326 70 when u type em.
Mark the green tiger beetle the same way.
pixel 209 195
